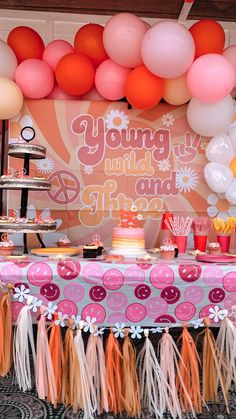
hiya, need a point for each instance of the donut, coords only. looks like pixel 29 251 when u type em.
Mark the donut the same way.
pixel 92 273
pixel 113 279
pixel 142 291
pixel 229 282
pixel 97 293
pixel 190 273
pixel 117 301
pixel 165 318
pixel 135 312
pixel 134 275
pixel 216 295
pixel 74 292
pixel 68 269
pixel 161 276
pixel 156 306
pixel 39 274
pixel 194 294
pixel 11 273
pixel 185 311
pixel 94 310
pixel 50 291
pixel 170 294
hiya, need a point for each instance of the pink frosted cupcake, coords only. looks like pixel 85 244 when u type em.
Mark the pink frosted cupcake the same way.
pixel 214 248
pixel 64 242
pixel 167 251
pixel 6 247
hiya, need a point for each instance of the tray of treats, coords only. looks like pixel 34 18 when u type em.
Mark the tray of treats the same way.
pixel 54 251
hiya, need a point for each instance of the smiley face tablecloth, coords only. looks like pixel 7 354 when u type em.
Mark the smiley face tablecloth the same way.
pixel 130 292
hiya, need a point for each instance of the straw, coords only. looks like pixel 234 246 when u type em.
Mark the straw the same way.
pixel 201 224
pixel 179 226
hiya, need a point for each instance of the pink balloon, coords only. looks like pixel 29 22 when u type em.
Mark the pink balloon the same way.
pixel 110 80
pixel 230 55
pixel 55 50
pixel 93 95
pixel 35 78
pixel 58 94
pixel 210 78
pixel 122 38
pixel 168 49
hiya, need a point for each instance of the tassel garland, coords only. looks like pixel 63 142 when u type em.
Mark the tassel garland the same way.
pixel 113 357
pixel 6 337
pixel 131 390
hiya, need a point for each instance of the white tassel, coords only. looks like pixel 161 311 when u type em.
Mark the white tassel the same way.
pixel 96 361
pixel 226 342
pixel 87 400
pixel 153 385
pixel 23 336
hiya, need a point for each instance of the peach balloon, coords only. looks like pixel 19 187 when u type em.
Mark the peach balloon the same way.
pixel 176 91
pixel 11 98
pixel 55 50
pixel 230 55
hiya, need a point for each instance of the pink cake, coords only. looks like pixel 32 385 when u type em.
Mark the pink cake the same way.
pixel 128 241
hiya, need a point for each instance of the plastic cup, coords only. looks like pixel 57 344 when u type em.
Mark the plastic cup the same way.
pixel 181 243
pixel 200 240
pixel 224 241
pixel 166 216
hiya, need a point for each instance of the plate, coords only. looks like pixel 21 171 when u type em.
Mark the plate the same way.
pixel 53 251
pixel 216 258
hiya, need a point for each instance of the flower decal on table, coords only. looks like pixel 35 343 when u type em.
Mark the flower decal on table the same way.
pixel 136 332
pixel 216 314
pixel 220 207
pixel 164 165
pixel 50 310
pixel 186 179
pixel 116 119
pixel 89 324
pixel 167 119
pixel 61 319
pixel 21 293
pixel 35 304
pixel 197 323
pixel 45 166
pixel 119 330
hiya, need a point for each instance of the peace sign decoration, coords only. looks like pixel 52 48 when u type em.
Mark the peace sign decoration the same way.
pixel 65 187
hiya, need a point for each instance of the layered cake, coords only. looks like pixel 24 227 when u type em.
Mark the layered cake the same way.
pixel 128 241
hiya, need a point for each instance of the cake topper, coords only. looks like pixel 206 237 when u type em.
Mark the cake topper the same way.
pixel 130 219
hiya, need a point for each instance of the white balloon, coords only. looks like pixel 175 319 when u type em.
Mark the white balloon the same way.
pixel 218 176
pixel 232 134
pixel 210 119
pixel 220 149
pixel 230 194
pixel 8 61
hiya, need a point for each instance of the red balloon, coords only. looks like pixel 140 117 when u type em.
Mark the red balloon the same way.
pixel 143 89
pixel 75 74
pixel 89 41
pixel 26 43
pixel 208 36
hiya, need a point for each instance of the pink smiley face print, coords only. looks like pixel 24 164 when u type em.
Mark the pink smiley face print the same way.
pixel 161 276
pixel 170 294
pixel 50 291
pixel 190 272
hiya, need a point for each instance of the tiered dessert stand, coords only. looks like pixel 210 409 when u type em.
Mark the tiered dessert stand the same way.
pixel 25 183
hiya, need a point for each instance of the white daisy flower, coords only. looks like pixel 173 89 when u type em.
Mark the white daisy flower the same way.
pixel 164 165
pixel 157 330
pixel 89 324
pixel 119 330
pixel 50 310
pixel 217 314
pixel 197 323
pixel 45 165
pixel 116 119
pixel 35 304
pixel 21 293
pixel 186 179
pixel 77 320
pixel 136 332
pixel 99 331
pixel 61 319
pixel 88 170
pixel 167 119
pixel 220 207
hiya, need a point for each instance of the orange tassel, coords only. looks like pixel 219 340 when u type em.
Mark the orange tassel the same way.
pixel 57 355
pixel 213 372
pixel 131 390
pixel 70 371
pixel 6 337
pixel 189 372
pixel 113 359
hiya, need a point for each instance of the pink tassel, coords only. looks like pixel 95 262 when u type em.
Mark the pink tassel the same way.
pixel 45 380
pixel 23 336
pixel 87 398
pixel 96 361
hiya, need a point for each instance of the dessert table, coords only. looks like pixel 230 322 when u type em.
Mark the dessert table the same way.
pixel 132 292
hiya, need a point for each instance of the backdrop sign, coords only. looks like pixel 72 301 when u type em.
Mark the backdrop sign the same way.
pixel 103 157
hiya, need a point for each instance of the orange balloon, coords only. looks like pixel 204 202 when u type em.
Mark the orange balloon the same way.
pixel 75 74
pixel 209 37
pixel 89 41
pixel 143 89
pixel 26 43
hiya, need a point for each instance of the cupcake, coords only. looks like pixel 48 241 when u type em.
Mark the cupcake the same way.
pixel 64 242
pixel 90 251
pixel 167 251
pixel 6 247
pixel 214 248
pixel 99 244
